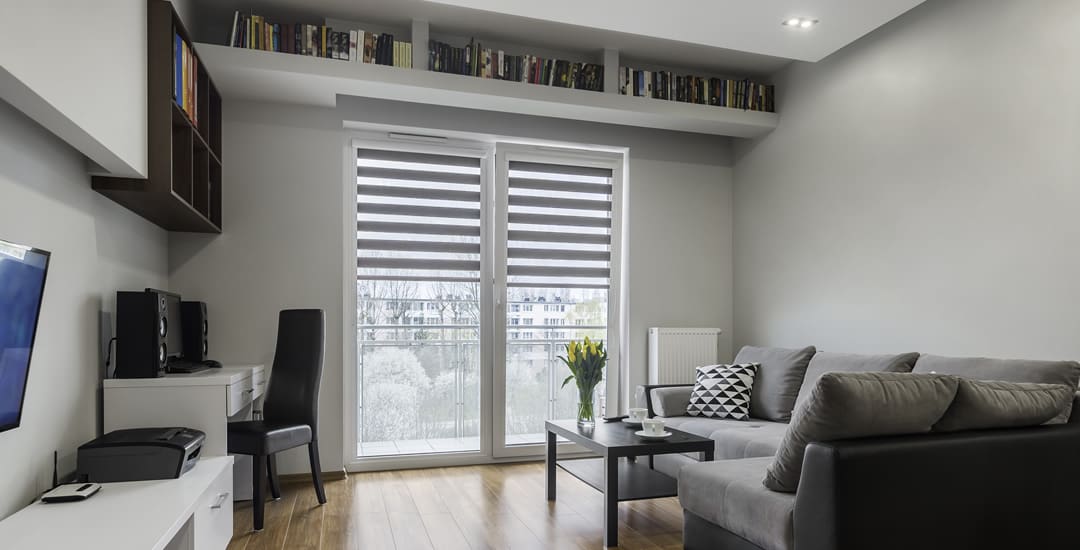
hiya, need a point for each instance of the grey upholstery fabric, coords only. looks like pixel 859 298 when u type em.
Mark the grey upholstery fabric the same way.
pixel 981 404
pixel 728 493
pixel 735 438
pixel 671 401
pixel 778 379
pixel 1006 370
pixel 824 362
pixel 846 405
pixel 673 464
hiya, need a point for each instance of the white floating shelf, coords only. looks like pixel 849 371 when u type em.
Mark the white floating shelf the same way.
pixel 269 76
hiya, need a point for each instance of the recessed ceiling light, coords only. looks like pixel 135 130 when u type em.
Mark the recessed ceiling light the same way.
pixel 800 22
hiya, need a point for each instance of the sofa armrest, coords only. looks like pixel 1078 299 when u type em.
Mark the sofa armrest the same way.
pixel 652 405
pixel 984 489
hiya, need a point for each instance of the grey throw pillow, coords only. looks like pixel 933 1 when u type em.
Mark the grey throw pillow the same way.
pixel 778 379
pixel 981 404
pixel 845 405
pixel 1006 370
pixel 824 362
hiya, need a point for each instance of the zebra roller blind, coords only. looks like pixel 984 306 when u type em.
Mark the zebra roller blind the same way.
pixel 558 226
pixel 417 216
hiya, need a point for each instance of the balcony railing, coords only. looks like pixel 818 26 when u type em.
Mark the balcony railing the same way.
pixel 414 390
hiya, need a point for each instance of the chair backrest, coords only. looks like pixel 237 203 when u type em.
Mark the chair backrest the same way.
pixel 293 396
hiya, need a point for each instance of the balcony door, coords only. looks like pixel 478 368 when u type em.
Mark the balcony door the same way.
pixel 475 264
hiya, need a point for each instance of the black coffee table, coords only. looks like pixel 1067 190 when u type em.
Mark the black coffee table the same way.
pixel 616 473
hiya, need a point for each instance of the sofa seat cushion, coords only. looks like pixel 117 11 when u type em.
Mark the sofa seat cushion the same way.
pixel 734 438
pixel 1006 370
pixel 824 362
pixel 777 381
pixel 729 494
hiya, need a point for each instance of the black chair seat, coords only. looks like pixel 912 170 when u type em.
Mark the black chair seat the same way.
pixel 259 437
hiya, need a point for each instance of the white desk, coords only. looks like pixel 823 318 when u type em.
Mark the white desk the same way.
pixel 206 400
pixel 193 512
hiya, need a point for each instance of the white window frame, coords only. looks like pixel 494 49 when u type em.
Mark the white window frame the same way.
pixel 492 288
pixel 615 161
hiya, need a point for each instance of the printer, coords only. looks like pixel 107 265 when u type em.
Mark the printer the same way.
pixel 139 454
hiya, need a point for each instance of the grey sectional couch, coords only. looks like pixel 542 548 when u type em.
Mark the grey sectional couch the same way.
pixel 727 507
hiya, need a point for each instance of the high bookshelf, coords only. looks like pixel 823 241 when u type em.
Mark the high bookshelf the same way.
pixel 301 79
pixel 183 189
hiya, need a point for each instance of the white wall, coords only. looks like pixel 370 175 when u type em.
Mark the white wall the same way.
pixel 282 242
pixel 79 69
pixel 921 190
pixel 97 248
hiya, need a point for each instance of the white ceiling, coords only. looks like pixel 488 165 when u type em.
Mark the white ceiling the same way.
pixel 744 25
pixel 742 38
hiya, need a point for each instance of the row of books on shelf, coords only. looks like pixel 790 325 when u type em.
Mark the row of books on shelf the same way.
pixel 475 60
pixel 738 94
pixel 185 78
pixel 256 33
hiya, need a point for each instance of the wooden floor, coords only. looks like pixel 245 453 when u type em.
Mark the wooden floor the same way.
pixel 465 508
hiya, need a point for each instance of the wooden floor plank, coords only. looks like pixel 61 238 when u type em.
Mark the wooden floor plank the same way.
pixel 492 507
pixel 306 525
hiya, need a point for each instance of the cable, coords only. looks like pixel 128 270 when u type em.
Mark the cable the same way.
pixel 108 355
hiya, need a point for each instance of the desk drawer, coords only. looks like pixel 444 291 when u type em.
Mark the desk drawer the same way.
pixel 238 396
pixel 214 514
pixel 258 376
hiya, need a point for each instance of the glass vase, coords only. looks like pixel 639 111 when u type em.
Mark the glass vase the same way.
pixel 586 415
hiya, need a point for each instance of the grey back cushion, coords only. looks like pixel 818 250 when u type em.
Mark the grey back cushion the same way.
pixel 1006 370
pixel 845 405
pixel 983 404
pixel 777 382
pixel 824 362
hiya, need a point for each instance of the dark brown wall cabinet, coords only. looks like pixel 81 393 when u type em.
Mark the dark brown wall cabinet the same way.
pixel 183 190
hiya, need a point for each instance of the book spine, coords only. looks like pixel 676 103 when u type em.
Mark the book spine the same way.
pixel 232 33
pixel 352 46
pixel 178 66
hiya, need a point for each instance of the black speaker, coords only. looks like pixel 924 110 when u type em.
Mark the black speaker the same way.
pixel 147 332
pixel 196 330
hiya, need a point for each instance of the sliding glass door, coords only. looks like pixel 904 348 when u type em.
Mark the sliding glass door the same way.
pixel 475 265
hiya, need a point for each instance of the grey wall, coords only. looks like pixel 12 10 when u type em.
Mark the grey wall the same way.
pixel 282 243
pixel 921 190
pixel 98 247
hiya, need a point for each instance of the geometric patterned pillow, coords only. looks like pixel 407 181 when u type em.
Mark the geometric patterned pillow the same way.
pixel 723 391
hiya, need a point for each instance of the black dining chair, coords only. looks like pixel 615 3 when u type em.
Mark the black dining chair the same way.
pixel 290 409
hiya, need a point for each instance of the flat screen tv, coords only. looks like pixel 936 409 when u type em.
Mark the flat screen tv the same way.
pixel 22 286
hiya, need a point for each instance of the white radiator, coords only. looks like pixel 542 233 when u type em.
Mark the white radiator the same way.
pixel 674 353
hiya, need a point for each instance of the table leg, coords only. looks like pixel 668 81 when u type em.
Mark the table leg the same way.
pixel 549 462
pixel 709 454
pixel 611 501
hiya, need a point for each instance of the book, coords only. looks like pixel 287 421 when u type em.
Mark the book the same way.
pixel 352 45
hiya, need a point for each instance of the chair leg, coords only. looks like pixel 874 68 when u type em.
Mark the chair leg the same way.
pixel 271 474
pixel 257 498
pixel 316 475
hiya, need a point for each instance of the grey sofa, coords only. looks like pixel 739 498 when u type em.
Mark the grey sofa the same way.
pixel 726 507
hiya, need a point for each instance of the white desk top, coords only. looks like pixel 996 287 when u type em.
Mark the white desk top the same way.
pixel 134 515
pixel 224 376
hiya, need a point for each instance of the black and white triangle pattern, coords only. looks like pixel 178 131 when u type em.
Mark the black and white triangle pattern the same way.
pixel 723 391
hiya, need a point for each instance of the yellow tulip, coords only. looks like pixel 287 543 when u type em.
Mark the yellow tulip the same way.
pixel 572 351
pixel 592 348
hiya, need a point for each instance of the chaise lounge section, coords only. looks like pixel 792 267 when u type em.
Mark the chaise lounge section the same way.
pixel 990 488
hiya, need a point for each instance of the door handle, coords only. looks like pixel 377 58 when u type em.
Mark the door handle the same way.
pixel 220 501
